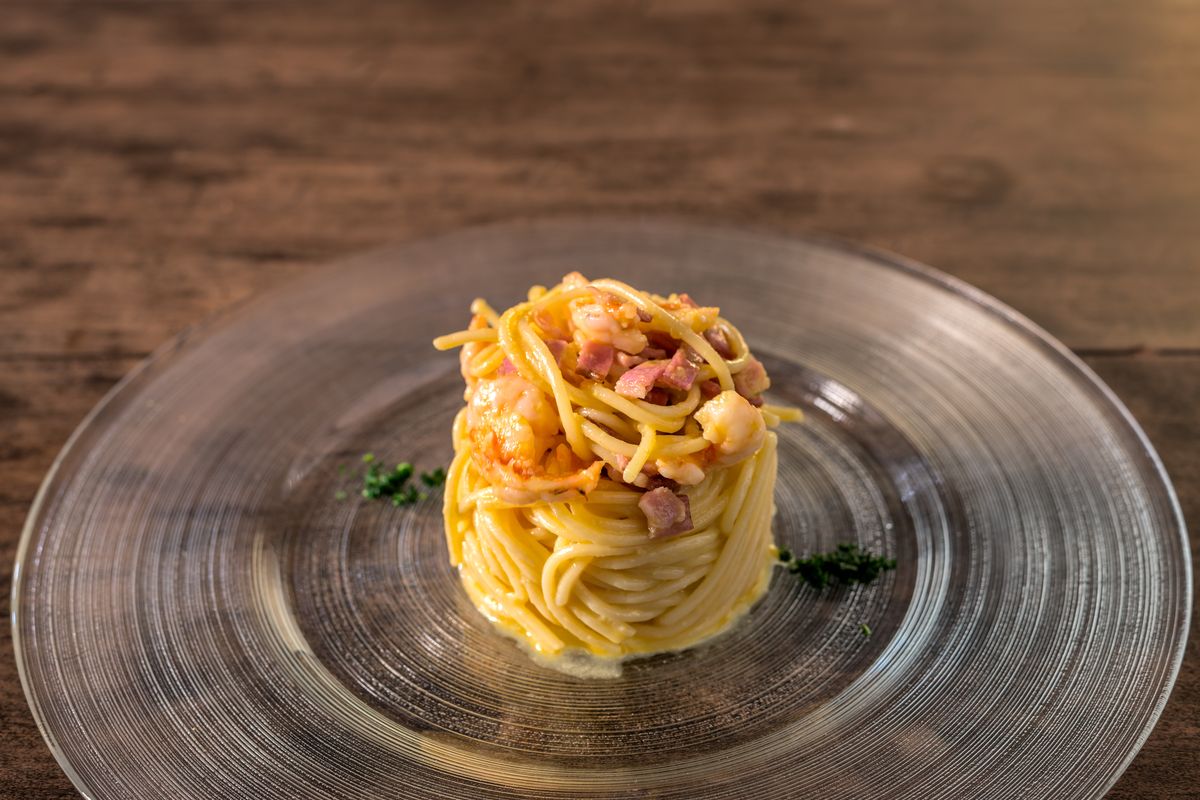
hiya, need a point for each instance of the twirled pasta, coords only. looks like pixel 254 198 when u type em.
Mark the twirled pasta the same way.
pixel 612 484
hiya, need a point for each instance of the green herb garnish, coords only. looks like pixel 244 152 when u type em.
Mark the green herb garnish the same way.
pixel 847 564
pixel 378 483
pixel 394 484
pixel 435 478
pixel 864 629
pixel 340 494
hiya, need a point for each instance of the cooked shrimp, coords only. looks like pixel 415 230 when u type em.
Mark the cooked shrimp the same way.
pixel 681 470
pixel 735 427
pixel 513 426
pixel 609 320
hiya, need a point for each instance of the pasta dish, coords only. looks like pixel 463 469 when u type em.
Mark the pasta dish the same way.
pixel 614 470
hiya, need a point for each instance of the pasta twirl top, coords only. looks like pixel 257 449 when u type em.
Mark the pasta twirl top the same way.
pixel 594 374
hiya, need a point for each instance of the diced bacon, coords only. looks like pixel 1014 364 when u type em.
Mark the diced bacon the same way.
pixel 627 361
pixel 557 348
pixel 595 359
pixel 622 460
pixel 681 371
pixel 644 315
pixel 658 397
pixel 651 353
pixel 667 513
pixel 638 381
pixel 719 341
pixel 687 301
pixel 661 340
pixel 710 388
pixel 752 380
pixel 506 367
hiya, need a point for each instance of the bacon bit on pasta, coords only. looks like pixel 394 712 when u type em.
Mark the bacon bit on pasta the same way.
pixel 752 380
pixel 681 371
pixel 627 361
pixel 720 342
pixel 638 381
pixel 595 359
pixel 557 348
pixel 667 513
pixel 664 344
pixel 658 397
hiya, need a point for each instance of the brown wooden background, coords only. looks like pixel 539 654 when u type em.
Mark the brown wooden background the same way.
pixel 160 161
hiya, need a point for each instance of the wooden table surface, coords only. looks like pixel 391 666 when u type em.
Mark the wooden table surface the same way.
pixel 161 161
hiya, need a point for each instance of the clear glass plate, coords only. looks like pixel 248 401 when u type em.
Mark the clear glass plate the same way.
pixel 197 615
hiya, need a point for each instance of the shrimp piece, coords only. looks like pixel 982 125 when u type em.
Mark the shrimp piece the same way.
pixel 609 320
pixel 683 471
pixel 513 426
pixel 735 427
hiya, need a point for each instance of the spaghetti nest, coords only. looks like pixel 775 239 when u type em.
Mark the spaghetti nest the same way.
pixel 614 468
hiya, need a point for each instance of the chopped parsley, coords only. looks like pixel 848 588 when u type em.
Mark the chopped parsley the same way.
pixel 435 478
pixel 864 629
pixel 379 483
pixel 847 564
pixel 392 483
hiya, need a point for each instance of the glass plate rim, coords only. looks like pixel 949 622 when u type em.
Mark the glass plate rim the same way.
pixel 1068 362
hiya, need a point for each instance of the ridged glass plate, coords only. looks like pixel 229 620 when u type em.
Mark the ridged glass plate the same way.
pixel 198 615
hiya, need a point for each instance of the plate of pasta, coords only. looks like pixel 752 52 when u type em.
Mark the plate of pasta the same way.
pixel 605 509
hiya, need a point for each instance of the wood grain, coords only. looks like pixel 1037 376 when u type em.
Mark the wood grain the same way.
pixel 159 162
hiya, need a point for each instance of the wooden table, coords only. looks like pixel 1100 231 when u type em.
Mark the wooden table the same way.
pixel 161 161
